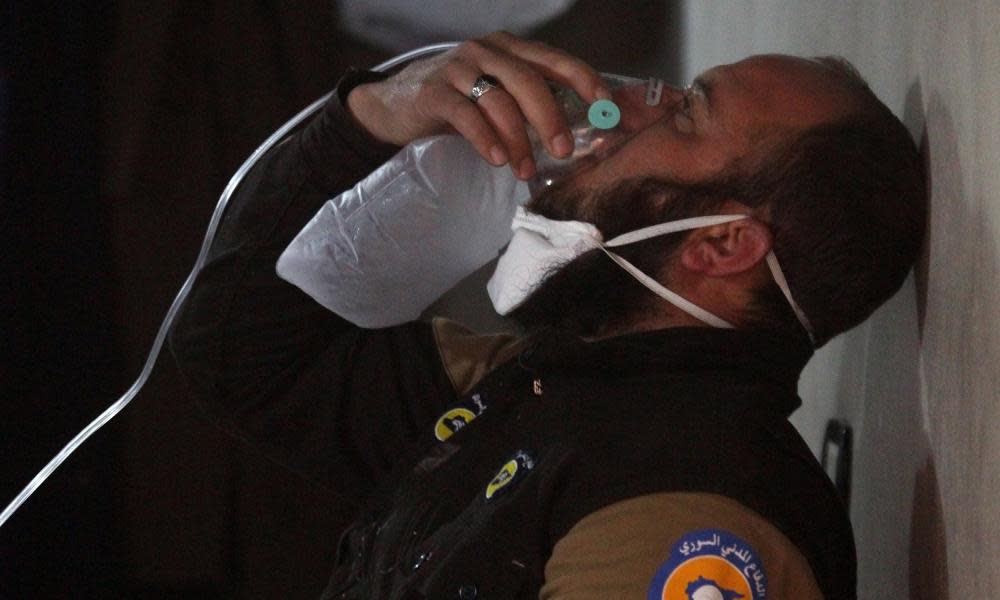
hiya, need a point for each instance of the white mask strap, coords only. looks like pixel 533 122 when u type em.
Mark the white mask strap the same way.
pixel 779 278
pixel 654 286
pixel 671 227
pixel 566 239
pixel 686 305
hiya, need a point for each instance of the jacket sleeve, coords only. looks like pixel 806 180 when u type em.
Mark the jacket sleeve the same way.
pixel 636 548
pixel 330 400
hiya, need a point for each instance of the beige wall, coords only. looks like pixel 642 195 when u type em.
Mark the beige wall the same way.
pixel 920 381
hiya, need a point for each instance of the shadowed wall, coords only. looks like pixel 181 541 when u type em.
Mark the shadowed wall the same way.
pixel 918 380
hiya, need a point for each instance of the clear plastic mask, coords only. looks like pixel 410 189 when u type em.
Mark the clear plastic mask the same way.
pixel 597 128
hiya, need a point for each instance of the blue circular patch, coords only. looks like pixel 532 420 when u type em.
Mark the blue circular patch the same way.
pixel 710 564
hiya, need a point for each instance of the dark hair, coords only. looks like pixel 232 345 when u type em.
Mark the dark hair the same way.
pixel 847 207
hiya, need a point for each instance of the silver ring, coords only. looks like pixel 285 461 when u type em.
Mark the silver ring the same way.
pixel 482 85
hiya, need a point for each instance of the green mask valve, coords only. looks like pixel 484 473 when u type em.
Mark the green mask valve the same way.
pixel 604 114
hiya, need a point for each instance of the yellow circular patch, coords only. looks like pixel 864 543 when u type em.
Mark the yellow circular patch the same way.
pixel 706 578
pixel 452 421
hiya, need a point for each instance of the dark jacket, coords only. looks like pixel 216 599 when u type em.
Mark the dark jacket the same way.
pixel 464 489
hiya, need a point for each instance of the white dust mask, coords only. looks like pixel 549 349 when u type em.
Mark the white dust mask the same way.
pixel 539 245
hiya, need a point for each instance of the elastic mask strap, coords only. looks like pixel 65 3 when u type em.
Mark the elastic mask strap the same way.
pixel 779 278
pixel 672 227
pixel 687 306
pixel 654 286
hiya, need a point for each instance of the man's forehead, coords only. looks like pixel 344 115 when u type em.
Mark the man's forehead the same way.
pixel 780 89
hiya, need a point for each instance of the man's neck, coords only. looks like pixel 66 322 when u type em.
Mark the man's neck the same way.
pixel 650 322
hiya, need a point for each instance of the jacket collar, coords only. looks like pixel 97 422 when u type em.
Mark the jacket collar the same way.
pixel 751 355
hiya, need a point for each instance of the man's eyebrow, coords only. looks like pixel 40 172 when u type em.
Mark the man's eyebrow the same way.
pixel 703 87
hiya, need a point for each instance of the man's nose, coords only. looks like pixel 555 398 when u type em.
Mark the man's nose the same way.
pixel 636 114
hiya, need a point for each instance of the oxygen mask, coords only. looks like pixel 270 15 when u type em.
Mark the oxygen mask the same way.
pixel 597 128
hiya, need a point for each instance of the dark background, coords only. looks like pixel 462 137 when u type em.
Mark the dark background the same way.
pixel 119 127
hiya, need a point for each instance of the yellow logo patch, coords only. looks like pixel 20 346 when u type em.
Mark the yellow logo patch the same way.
pixel 512 470
pixel 505 476
pixel 452 421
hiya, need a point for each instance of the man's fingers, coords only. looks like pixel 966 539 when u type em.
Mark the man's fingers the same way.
pixel 504 116
pixel 470 123
pixel 527 86
pixel 555 64
pixel 431 95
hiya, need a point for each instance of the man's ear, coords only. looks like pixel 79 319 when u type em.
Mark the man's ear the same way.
pixel 727 249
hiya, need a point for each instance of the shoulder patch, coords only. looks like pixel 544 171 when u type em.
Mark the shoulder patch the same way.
pixel 710 564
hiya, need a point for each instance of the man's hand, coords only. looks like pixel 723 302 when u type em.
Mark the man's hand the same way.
pixel 431 97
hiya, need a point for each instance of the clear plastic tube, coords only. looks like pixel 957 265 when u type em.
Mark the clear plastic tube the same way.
pixel 161 335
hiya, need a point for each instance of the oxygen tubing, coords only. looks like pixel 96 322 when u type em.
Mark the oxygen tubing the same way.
pixel 213 225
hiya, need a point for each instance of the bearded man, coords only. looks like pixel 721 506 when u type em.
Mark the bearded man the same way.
pixel 625 446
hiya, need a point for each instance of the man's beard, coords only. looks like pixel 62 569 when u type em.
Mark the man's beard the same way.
pixel 591 296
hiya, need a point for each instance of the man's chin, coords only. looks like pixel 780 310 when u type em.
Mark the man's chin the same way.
pixel 591 295
pixel 586 297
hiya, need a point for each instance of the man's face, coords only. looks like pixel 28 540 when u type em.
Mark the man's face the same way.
pixel 691 138
pixel 694 134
